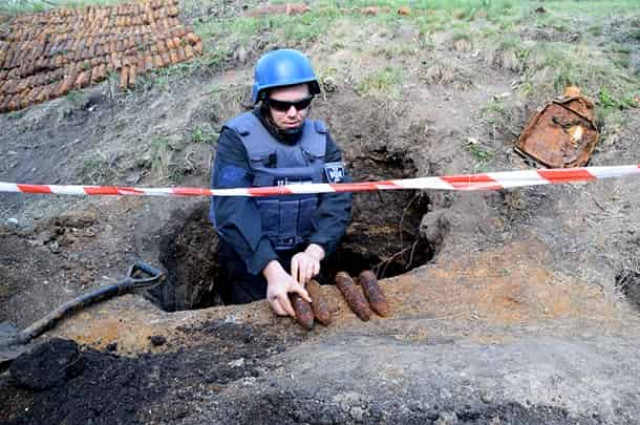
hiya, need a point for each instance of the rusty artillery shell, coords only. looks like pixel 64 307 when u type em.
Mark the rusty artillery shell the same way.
pixel 157 61
pixel 82 80
pixel 45 94
pixel 4 103
pixel 99 73
pixel 197 49
pixel 66 85
pixel 374 294
pixel 353 296
pixel 304 313
pixel 166 60
pixel 148 63
pixel 319 304
pixel 140 64
pixel 33 95
pixel 132 75
pixel 188 50
pixel 14 104
pixel 124 78
pixel 173 55
pixel 10 86
pixel 24 98
pixel 181 54
pixel 162 47
pixel 192 39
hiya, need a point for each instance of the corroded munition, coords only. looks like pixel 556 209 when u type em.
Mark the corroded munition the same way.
pixel 304 313
pixel 374 294
pixel 46 48
pixel 318 303
pixel 353 296
pixel 563 134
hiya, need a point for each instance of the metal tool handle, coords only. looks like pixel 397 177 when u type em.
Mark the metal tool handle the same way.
pixel 82 301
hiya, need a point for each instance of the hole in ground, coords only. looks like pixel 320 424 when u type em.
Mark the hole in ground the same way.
pixel 188 253
pixel 628 282
pixel 383 236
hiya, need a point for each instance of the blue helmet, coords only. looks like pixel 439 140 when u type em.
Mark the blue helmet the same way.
pixel 284 67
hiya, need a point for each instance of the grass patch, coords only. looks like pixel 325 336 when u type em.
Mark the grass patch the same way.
pixel 76 98
pixel 443 70
pixel 16 7
pixel 203 134
pixel 493 112
pixel 161 159
pixel 482 155
pixel 230 100
pixel 101 169
pixel 607 100
pixel 385 82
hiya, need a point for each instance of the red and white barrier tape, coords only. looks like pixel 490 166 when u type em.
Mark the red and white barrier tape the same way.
pixel 485 181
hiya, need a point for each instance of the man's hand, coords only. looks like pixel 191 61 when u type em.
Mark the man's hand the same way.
pixel 305 265
pixel 279 285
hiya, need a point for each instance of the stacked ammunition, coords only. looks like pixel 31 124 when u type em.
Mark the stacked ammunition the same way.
pixel 46 55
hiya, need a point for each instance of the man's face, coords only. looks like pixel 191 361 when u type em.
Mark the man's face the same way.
pixel 285 114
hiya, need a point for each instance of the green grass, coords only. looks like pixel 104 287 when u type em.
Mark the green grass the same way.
pixel 203 134
pixel 76 98
pixel 14 7
pixel 160 158
pixel 386 82
pixel 607 100
pixel 100 170
pixel 482 155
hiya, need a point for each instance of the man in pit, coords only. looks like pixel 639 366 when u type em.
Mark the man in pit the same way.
pixel 273 246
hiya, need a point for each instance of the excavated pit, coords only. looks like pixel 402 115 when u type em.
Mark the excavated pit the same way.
pixel 384 236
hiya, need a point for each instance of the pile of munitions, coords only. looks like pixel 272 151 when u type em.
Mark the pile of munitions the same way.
pixel 46 55
pixel 361 301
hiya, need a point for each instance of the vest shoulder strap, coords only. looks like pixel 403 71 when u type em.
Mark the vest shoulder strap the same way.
pixel 257 139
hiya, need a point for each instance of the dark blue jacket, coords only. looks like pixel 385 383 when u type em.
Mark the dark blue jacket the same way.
pixel 238 218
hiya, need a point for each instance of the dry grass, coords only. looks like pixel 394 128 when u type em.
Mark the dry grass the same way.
pixel 444 70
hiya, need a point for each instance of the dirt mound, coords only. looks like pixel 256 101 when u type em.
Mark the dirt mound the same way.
pixel 50 364
pixel 111 389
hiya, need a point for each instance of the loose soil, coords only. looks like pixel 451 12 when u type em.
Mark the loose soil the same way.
pixel 508 307
pixel 88 386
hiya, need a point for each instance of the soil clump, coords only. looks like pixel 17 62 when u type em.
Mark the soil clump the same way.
pixel 64 383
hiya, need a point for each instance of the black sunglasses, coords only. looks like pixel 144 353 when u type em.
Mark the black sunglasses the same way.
pixel 284 106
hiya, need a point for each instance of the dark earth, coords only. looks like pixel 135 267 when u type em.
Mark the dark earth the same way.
pixel 510 307
pixel 65 383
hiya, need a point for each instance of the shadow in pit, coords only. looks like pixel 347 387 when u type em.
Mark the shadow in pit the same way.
pixel 384 236
pixel 628 282
pixel 188 252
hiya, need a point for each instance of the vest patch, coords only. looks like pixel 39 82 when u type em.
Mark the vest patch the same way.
pixel 286 181
pixel 231 175
pixel 334 172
